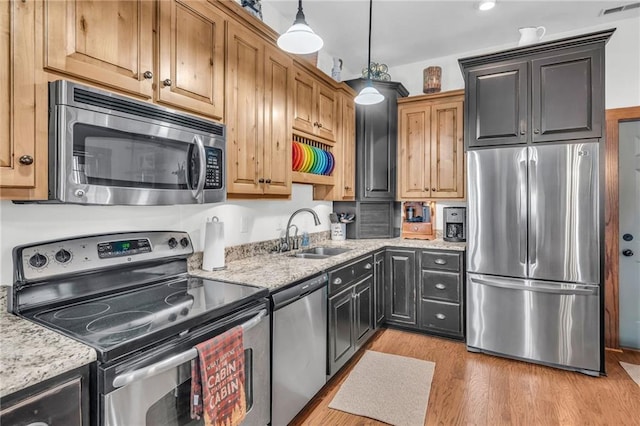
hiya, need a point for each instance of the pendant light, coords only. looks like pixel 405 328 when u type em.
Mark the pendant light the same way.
pixel 369 95
pixel 300 38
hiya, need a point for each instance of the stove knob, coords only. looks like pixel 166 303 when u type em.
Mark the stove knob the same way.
pixel 172 243
pixel 184 312
pixel 63 256
pixel 184 242
pixel 38 260
pixel 172 317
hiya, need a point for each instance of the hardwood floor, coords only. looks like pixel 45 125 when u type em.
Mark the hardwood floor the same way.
pixel 477 389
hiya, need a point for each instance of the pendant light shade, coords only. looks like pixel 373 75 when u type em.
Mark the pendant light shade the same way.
pixel 369 95
pixel 300 38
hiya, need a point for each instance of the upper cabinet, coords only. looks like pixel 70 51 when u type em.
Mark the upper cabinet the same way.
pixel 376 142
pixel 545 92
pixel 106 42
pixel 258 98
pixel 23 137
pixel 191 57
pixel 430 146
pixel 315 106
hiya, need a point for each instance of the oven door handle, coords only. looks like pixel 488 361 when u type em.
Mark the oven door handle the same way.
pixel 174 361
pixel 197 194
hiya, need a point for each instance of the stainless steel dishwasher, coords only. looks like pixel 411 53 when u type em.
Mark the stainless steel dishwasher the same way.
pixel 299 347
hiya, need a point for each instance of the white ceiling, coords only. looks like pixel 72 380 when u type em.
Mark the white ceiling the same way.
pixel 406 31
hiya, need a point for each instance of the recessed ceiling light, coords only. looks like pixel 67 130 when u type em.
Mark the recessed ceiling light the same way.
pixel 486 5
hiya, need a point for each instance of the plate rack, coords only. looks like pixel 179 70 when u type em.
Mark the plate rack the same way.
pixel 315 165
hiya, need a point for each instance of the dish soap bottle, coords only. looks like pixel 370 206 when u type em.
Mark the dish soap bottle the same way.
pixel 305 239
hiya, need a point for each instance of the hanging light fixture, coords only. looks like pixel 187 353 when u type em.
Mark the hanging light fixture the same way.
pixel 369 95
pixel 300 38
pixel 486 5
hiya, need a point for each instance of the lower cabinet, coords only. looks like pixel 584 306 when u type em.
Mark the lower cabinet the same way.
pixel 379 291
pixel 401 285
pixel 351 311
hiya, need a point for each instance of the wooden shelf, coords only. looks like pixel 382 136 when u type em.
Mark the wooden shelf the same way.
pixel 300 177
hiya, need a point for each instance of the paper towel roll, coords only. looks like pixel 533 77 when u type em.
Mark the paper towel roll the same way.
pixel 213 245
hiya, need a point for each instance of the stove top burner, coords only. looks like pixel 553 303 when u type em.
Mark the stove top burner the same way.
pixel 82 311
pixel 179 298
pixel 121 322
pixel 180 285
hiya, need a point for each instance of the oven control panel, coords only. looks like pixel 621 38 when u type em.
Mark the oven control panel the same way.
pixel 74 255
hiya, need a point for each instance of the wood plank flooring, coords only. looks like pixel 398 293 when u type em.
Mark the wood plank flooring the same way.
pixel 477 389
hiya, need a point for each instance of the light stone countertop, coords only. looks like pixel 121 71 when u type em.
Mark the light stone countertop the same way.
pixel 30 353
pixel 277 270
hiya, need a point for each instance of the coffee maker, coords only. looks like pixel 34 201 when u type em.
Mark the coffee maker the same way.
pixel 455 223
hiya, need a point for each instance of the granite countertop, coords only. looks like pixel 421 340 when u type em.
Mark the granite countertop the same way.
pixel 276 270
pixel 30 353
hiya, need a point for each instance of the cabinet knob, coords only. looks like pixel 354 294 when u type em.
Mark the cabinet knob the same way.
pixel 440 286
pixel 433 189
pixel 26 160
pixel 315 124
pixel 536 131
pixel 522 132
pixel 441 316
pixel 347 188
pixel 167 82
pixel 368 189
pixel 337 281
pixel 440 262
pixel 268 181
pixel 627 252
pixel 415 228
pixel 148 75
pixel 319 125
pixel 261 180
pixel 368 266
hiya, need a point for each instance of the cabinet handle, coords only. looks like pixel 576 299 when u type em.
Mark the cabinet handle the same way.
pixel 315 124
pixel 522 132
pixel 440 286
pixel 26 160
pixel 261 180
pixel 368 266
pixel 319 125
pixel 433 189
pixel 536 131
pixel 368 189
pixel 268 181
pixel 337 281
pixel 148 75
pixel 347 188
pixel 167 82
pixel 441 316
pixel 440 262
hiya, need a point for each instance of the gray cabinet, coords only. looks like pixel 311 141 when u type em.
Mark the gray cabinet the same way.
pixel 379 292
pixel 545 92
pixel 402 287
pixel 373 219
pixel 351 311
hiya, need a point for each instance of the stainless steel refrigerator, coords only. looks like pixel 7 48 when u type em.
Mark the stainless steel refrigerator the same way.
pixel 534 254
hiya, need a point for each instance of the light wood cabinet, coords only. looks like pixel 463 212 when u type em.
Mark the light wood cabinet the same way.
pixel 315 106
pixel 431 147
pixel 106 42
pixel 258 93
pixel 23 139
pixel 347 173
pixel 191 57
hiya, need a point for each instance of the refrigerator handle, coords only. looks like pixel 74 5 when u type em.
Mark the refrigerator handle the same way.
pixel 533 187
pixel 522 209
pixel 539 287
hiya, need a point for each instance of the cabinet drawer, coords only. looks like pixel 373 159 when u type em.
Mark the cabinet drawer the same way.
pixel 341 278
pixel 440 316
pixel 441 260
pixel 441 285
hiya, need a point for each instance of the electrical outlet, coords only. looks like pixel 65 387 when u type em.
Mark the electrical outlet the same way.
pixel 244 224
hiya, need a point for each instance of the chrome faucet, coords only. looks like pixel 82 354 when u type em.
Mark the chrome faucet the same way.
pixel 286 244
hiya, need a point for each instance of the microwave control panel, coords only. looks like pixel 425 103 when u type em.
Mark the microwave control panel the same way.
pixel 213 176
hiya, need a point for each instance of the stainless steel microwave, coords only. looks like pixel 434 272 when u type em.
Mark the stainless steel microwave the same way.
pixel 111 150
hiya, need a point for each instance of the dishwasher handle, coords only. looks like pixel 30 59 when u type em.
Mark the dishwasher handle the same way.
pixel 298 291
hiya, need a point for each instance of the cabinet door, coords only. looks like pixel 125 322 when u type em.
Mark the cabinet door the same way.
pixel 377 150
pixel 342 342
pixel 191 57
pixel 401 296
pixel 346 189
pixel 23 151
pixel 364 323
pixel 244 106
pixel 497 108
pixel 379 288
pixel 414 152
pixel 327 107
pixel 278 82
pixel 567 96
pixel 304 103
pixel 107 42
pixel 447 151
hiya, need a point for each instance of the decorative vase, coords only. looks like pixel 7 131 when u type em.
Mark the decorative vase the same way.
pixel 432 79
pixel 337 67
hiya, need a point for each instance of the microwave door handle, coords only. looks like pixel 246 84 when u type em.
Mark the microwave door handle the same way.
pixel 197 194
pixel 174 361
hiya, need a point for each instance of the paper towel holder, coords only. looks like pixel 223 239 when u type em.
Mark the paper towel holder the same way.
pixel 212 268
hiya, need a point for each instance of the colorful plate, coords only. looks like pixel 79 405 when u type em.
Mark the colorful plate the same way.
pixel 298 157
pixel 324 162
pixel 308 158
pixel 332 163
pixel 294 157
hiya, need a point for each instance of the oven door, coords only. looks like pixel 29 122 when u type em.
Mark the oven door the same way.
pixel 155 390
pixel 100 158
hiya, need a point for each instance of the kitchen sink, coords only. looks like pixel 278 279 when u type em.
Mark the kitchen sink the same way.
pixel 320 252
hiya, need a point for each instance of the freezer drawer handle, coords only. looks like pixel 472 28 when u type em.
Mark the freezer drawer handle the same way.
pixel 440 286
pixel 441 316
pixel 174 361
pixel 440 262
pixel 539 288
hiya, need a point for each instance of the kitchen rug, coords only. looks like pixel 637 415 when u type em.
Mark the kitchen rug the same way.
pixel 633 370
pixel 391 388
